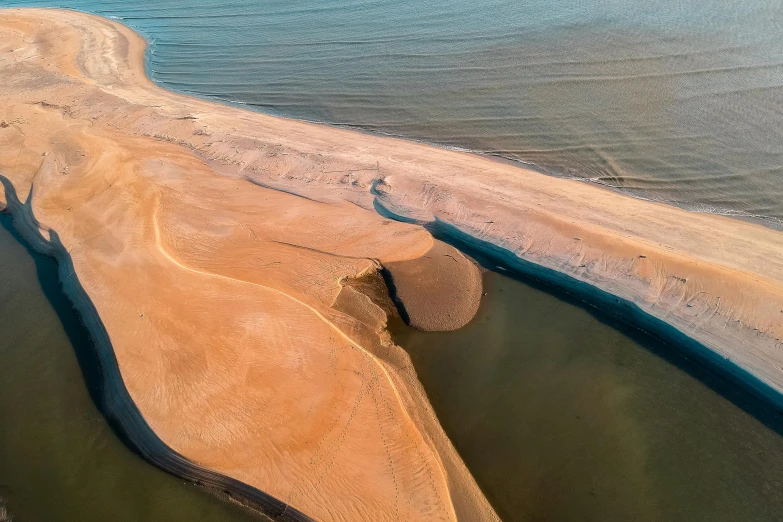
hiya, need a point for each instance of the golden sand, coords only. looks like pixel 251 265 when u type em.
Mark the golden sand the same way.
pixel 218 294
pixel 233 309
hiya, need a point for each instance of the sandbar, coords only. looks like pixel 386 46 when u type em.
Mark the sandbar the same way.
pixel 234 260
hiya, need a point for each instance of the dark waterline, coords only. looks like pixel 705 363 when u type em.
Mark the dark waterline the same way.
pixel 563 414
pixel 559 415
pixel 59 459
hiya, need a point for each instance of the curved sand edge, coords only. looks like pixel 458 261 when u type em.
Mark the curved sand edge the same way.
pixel 217 297
pixel 117 404
pixel 715 279
pixel 438 291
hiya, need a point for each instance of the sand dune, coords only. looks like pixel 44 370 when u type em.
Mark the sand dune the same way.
pixel 231 257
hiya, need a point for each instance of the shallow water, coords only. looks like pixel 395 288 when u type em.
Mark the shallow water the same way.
pixel 561 416
pixel 670 100
pixel 558 415
pixel 59 459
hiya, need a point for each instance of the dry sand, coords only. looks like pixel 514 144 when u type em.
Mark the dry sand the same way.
pixel 438 291
pixel 246 322
pixel 218 294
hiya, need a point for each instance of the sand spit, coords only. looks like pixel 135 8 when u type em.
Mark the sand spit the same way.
pixel 117 404
pixel 221 310
pixel 243 320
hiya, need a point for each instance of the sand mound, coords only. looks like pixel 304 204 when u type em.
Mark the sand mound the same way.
pixel 438 291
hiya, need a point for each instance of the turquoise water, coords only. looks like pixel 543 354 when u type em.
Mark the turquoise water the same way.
pixel 669 100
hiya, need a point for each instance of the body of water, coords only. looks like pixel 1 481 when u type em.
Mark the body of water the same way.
pixel 563 417
pixel 675 101
pixel 559 415
pixel 59 459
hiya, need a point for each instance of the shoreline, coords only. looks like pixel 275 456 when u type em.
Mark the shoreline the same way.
pixel 631 250
pixel 770 222
pixel 766 221
pixel 623 311
pixel 116 403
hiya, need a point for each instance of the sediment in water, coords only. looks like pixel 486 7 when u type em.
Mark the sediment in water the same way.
pixel 4 516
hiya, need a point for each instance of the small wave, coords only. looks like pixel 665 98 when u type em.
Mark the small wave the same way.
pixel 768 221
pixel 702 208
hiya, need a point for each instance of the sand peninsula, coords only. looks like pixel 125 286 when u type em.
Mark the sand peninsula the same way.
pixel 228 264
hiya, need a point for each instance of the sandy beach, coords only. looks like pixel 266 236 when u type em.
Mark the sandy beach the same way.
pixel 235 261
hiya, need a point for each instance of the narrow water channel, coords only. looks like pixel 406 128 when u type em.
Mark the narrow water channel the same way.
pixel 59 459
pixel 562 416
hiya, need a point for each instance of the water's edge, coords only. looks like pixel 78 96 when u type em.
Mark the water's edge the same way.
pixel 126 418
pixel 620 309
pixel 149 49
pixel 771 222
pixel 123 415
pixel 115 401
pixel 625 311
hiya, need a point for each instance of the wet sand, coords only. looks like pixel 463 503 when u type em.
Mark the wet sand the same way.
pixel 211 246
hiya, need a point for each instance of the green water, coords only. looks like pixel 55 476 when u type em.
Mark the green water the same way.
pixel 559 416
pixel 562 417
pixel 59 459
